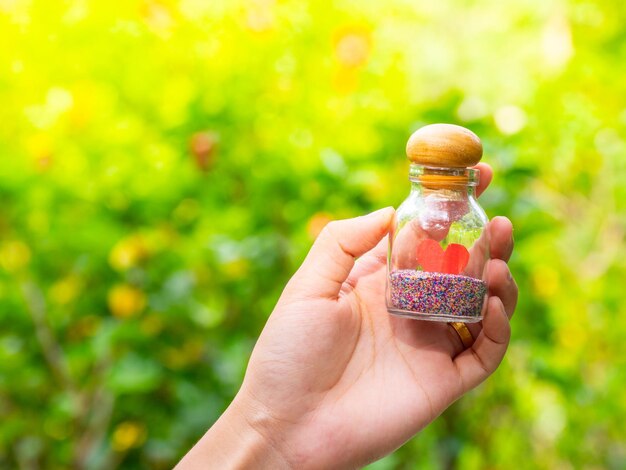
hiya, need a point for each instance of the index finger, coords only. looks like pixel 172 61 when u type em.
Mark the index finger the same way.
pixel 486 175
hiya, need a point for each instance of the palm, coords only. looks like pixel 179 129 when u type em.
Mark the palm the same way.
pixel 398 371
pixel 324 365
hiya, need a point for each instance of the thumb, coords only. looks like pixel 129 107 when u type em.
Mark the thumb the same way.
pixel 332 256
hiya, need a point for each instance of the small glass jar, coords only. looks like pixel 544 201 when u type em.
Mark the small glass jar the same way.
pixel 438 245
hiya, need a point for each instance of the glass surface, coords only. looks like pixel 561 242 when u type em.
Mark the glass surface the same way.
pixel 438 248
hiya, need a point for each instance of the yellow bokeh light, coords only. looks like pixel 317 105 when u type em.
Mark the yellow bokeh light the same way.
pixel 127 435
pixel 126 301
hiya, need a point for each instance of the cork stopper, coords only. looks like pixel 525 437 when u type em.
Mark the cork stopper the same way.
pixel 444 146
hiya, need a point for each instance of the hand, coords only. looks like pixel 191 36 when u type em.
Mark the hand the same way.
pixel 334 380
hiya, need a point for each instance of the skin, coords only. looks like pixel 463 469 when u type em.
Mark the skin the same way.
pixel 334 380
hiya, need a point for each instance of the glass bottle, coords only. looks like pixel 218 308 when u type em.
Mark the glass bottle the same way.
pixel 438 245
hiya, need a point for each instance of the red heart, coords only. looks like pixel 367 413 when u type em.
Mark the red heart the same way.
pixel 432 258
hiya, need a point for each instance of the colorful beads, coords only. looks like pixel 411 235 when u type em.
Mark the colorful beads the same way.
pixel 436 293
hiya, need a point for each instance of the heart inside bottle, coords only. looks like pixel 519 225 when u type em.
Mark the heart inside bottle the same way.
pixel 433 258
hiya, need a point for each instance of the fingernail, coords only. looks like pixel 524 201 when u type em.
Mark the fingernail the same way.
pixel 503 311
pixel 512 242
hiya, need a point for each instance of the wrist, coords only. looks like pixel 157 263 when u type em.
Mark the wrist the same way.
pixel 241 438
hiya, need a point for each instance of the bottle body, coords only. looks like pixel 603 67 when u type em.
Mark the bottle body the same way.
pixel 439 248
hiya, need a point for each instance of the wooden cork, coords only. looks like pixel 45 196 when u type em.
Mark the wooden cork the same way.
pixel 444 146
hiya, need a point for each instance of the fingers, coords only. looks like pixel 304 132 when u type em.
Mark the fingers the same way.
pixel 486 175
pixel 501 282
pixel 372 260
pixel 501 238
pixel 502 285
pixel 481 360
pixel 332 256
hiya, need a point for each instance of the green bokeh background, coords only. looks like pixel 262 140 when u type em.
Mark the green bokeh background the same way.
pixel 165 166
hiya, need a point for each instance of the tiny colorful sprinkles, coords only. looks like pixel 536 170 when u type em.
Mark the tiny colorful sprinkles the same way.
pixel 436 293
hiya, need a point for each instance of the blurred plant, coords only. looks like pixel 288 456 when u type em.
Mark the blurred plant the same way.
pixel 139 261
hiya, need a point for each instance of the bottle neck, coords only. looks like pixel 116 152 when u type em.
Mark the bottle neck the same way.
pixel 454 182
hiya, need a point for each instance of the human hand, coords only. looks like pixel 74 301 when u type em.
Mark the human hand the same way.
pixel 334 380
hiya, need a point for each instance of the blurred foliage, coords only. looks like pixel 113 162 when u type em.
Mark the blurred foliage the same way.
pixel 165 165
